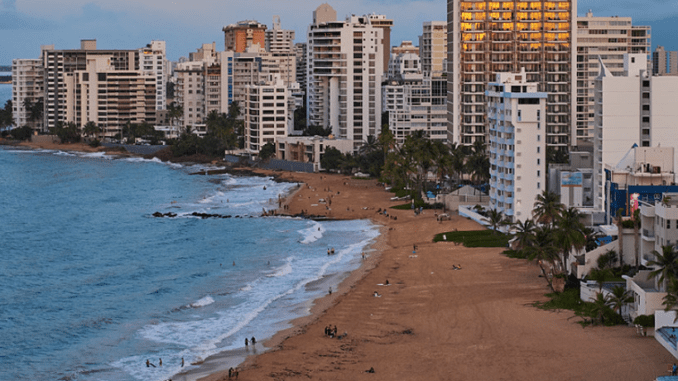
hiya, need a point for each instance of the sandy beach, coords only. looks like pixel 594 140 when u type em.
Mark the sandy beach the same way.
pixel 434 322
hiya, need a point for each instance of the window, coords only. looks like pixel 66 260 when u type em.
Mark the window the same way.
pixel 668 224
pixel 538 173
pixel 538 185
pixel 538 149
pixel 538 161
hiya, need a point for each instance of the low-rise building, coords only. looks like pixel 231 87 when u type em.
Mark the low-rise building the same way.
pixel 309 149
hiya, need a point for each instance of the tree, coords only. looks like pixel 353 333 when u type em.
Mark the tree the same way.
pixel 667 265
pixel 267 151
pixel 313 130
pixel 619 298
pixel 525 233
pixel 370 145
pixel 91 129
pixel 599 306
pixel 175 112
pixel 670 301
pixel 68 134
pixel 544 251
pixel 547 208
pixel 607 260
pixel 600 276
pixel 6 115
pixel 570 232
pixel 620 235
pixel 34 110
pixel 496 219
pixel 331 159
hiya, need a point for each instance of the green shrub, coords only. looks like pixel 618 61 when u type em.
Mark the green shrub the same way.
pixel 644 320
pixel 477 238
pixel 516 254
pixel 95 143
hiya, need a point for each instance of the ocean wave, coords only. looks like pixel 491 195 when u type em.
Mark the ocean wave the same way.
pixel 142 160
pixel 283 270
pixel 206 301
pixel 97 155
pixel 313 233
pixel 63 153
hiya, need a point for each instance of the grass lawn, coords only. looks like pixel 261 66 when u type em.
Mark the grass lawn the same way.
pixel 480 238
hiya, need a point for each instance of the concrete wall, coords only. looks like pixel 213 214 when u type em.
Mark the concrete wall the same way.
pixel 45 139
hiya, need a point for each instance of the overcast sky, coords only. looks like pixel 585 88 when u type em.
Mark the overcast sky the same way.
pixel 186 24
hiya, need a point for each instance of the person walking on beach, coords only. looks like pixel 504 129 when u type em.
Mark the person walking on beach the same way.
pixel 182 362
pixel 247 342
pixel 160 362
pixel 148 363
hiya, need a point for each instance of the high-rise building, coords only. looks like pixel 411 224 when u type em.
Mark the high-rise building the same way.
pixel 345 69
pixel 67 77
pixel 28 89
pixel 380 21
pixel 153 61
pixel 243 34
pixel 608 38
pixel 280 45
pixel 517 144
pixel 664 62
pixel 433 48
pixel 300 50
pixel 487 37
pixel 634 109
pixel 267 113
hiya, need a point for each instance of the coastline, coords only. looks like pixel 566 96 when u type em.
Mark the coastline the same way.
pixel 434 322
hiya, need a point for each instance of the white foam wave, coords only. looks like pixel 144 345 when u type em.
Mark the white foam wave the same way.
pixel 313 233
pixel 142 160
pixel 62 153
pixel 283 270
pixel 97 155
pixel 206 301
pixel 212 198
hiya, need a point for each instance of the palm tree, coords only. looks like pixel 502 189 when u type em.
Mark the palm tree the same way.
pixel 91 128
pixel 599 275
pixel 543 251
pixel 370 145
pixel 570 232
pixel 599 306
pixel 175 112
pixel 547 208
pixel 496 219
pixel 525 233
pixel 671 298
pixel 619 298
pixel 667 265
pixel 457 161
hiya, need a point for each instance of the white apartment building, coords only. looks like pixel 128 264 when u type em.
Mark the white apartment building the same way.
pixel 485 38
pixel 664 62
pixel 608 39
pixel 109 97
pixel 433 48
pixel 406 67
pixel 280 44
pixel 153 61
pixel 345 69
pixel 266 113
pixel 189 91
pixel 635 108
pixel 28 84
pixel 516 112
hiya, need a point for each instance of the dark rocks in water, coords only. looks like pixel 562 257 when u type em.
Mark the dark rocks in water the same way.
pixel 207 215
pixel 160 215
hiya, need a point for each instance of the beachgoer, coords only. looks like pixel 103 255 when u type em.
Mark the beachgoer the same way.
pixel 332 250
pixel 247 342
pixel 182 362
pixel 328 251
pixel 363 255
pixel 674 370
pixel 254 341
pixel 330 291
pixel 335 330
pixel 230 372
pixel 160 362
pixel 148 363
pixel 236 373
pixel 386 283
pixel 371 370
pixel 233 263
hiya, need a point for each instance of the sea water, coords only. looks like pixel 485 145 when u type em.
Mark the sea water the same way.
pixel 5 93
pixel 92 285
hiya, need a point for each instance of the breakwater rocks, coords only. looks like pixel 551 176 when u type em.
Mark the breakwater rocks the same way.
pixel 196 214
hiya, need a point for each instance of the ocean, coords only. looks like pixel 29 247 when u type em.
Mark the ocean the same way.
pixel 5 93
pixel 93 285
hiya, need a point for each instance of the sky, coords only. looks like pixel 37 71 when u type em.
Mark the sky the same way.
pixel 186 24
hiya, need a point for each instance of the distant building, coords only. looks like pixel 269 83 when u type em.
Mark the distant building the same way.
pixel 517 144
pixel 404 48
pixel 345 69
pixel 433 48
pixel 664 62
pixel 267 113
pixel 280 45
pixel 606 39
pixel 300 50
pixel 243 34
pixel 28 85
pixel 380 21
pixel 153 61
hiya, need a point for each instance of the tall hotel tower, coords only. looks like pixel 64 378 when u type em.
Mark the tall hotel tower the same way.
pixel 345 68
pixel 490 37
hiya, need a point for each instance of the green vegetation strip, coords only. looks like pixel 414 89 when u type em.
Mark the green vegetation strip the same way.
pixel 479 238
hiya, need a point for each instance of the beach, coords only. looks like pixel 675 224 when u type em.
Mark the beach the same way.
pixel 432 322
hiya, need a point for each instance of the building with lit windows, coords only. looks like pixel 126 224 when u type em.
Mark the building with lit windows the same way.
pixel 433 48
pixel 489 37
pixel 517 146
